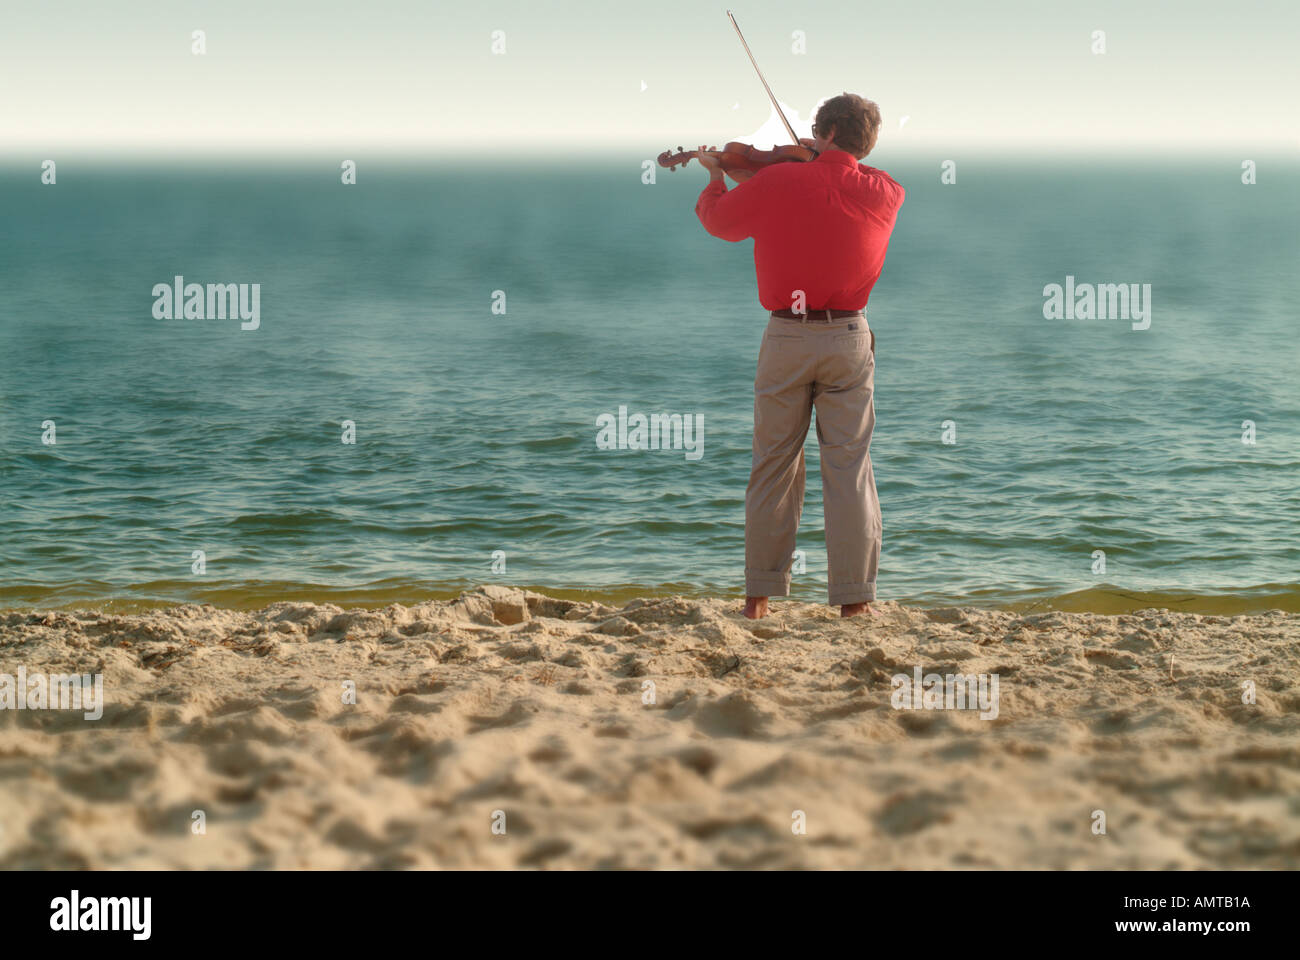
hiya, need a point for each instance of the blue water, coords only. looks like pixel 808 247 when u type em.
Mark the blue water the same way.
pixel 476 431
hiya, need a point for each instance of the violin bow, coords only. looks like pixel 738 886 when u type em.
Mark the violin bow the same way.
pixel 789 129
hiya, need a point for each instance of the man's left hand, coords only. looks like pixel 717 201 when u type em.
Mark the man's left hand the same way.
pixel 709 162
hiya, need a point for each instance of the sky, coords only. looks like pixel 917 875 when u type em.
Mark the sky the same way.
pixel 1016 76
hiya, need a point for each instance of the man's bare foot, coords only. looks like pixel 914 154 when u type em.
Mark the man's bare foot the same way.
pixel 756 607
pixel 855 609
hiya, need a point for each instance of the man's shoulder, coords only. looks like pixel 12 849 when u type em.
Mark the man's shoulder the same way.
pixel 868 171
pixel 881 180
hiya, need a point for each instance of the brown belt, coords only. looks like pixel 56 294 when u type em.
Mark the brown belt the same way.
pixel 817 316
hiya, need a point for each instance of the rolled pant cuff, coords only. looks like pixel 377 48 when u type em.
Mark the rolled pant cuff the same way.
pixel 842 593
pixel 766 583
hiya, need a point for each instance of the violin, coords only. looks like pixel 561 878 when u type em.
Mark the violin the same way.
pixel 741 161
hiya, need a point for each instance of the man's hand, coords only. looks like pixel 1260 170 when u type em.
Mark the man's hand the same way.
pixel 709 162
pixel 714 166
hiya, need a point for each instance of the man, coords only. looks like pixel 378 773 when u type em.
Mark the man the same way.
pixel 820 233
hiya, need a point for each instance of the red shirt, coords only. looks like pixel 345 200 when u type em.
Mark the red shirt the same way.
pixel 821 227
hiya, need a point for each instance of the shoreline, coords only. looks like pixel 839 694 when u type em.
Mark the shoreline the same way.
pixel 1102 599
pixel 663 733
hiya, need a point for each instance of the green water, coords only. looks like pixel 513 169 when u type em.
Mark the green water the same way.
pixel 475 431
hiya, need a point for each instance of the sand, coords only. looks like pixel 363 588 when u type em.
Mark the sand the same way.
pixel 517 711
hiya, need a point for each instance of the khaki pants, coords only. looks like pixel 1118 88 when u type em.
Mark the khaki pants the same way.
pixel 830 366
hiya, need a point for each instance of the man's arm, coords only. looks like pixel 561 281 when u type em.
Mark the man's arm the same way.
pixel 729 214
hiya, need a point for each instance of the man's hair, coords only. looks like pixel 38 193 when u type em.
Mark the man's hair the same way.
pixel 856 121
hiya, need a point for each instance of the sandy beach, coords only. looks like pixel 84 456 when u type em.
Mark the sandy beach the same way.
pixel 509 729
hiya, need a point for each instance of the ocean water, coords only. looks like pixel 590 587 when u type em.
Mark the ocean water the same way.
pixel 476 431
